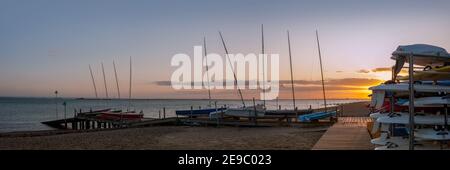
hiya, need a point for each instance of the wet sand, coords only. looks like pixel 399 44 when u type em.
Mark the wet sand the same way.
pixel 181 137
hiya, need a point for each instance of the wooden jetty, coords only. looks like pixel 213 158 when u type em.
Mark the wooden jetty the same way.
pixel 349 133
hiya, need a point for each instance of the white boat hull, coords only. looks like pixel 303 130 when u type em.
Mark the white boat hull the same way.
pixel 217 114
pixel 431 134
pixel 403 118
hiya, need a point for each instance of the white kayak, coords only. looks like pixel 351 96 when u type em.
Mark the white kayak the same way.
pixel 431 134
pixel 385 138
pixel 376 124
pixel 429 101
pixel 402 146
pixel 403 118
pixel 424 54
pixel 405 87
pixel 384 141
pixel 216 114
pixel 377 115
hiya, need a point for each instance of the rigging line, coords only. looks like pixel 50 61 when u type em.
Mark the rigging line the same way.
pixel 93 81
pixel 104 81
pixel 232 69
pixel 129 90
pixel 207 71
pixel 263 65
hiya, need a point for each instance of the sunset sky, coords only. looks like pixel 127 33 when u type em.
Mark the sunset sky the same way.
pixel 47 45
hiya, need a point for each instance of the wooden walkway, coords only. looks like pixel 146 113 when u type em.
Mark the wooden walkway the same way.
pixel 349 133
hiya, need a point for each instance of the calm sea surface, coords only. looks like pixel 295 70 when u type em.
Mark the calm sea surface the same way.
pixel 26 114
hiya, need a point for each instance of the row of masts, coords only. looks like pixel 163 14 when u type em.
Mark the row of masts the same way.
pixel 105 83
pixel 263 69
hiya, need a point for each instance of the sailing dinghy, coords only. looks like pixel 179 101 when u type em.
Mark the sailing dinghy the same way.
pixel 322 114
pixel 404 87
pixel 198 112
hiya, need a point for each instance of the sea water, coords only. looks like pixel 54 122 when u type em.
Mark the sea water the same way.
pixel 26 114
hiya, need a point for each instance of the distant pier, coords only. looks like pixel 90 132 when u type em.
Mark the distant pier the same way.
pixel 349 133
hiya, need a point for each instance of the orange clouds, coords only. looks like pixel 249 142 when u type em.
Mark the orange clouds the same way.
pixel 382 69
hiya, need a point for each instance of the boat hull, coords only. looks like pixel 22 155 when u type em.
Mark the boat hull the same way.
pixel 120 116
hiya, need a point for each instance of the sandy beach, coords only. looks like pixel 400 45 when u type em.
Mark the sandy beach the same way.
pixel 357 109
pixel 182 137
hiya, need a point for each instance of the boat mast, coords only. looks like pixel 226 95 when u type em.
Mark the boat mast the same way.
pixel 117 80
pixel 321 71
pixel 207 71
pixel 129 90
pixel 93 82
pixel 263 65
pixel 232 69
pixel 292 74
pixel 104 81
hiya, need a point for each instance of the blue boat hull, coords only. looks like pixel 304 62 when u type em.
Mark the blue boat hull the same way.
pixel 316 116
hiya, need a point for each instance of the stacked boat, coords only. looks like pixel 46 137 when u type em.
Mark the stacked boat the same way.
pixel 121 115
pixel 391 102
pixel 257 111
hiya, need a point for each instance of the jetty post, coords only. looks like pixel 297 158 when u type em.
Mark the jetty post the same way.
pixel 321 70
pixel 65 113
pixel 278 106
pixel 217 118
pixel 75 122
pixel 56 103
pixel 411 102
pixel 256 114
pixel 292 74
